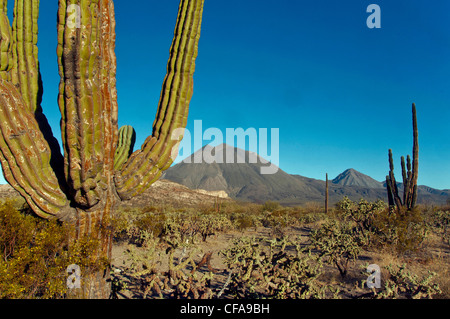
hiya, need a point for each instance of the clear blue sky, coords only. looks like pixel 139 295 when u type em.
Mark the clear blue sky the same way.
pixel 340 93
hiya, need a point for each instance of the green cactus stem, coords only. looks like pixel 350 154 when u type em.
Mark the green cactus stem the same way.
pixel 28 149
pixel 6 42
pixel 25 155
pixel 25 71
pixel 415 163
pixel 89 130
pixel 393 182
pixel 389 192
pixel 127 138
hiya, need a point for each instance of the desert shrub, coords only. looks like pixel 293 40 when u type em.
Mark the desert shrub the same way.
pixel 276 218
pixel 152 223
pixel 136 225
pixel 271 206
pixel 182 279
pixel 123 223
pixel 310 212
pixel 440 221
pixel 178 230
pixel 191 284
pixel 244 221
pixel 233 207
pixel 404 231
pixel 336 243
pixel 17 229
pixel 147 259
pixel 402 283
pixel 211 224
pixel 252 208
pixel 377 225
pixel 261 268
pixel 306 217
pixel 172 226
pixel 293 213
pixel 279 221
pixel 150 209
pixel 36 254
pixel 120 225
pixel 313 207
pixel 31 265
pixel 362 214
pixel 182 228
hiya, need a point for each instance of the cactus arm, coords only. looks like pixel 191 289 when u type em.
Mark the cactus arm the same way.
pixel 5 42
pixel 389 192
pixel 87 98
pixel 393 182
pixel 25 71
pixel 26 154
pixel 406 180
pixel 411 187
pixel 415 163
pixel 108 85
pixel 156 154
pixel 127 138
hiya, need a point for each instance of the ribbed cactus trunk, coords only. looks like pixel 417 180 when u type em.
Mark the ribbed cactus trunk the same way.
pixel 410 173
pixel 98 168
pixel 95 225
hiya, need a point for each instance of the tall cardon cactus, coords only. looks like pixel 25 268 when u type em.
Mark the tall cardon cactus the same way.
pixel 97 168
pixel 410 173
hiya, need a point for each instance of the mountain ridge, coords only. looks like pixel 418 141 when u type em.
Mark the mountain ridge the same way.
pixel 243 181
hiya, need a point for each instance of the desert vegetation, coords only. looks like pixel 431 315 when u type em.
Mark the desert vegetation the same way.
pixel 237 250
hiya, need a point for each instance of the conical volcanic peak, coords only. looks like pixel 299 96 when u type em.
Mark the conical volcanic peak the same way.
pixel 352 177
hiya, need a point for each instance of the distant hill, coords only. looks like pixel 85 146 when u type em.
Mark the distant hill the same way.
pixel 351 177
pixel 160 193
pixel 243 181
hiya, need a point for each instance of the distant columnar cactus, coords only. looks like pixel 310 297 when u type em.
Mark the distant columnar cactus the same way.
pixel 409 174
pixel 98 168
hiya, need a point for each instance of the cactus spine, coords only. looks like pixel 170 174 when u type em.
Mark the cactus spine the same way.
pixel 410 173
pixel 83 186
